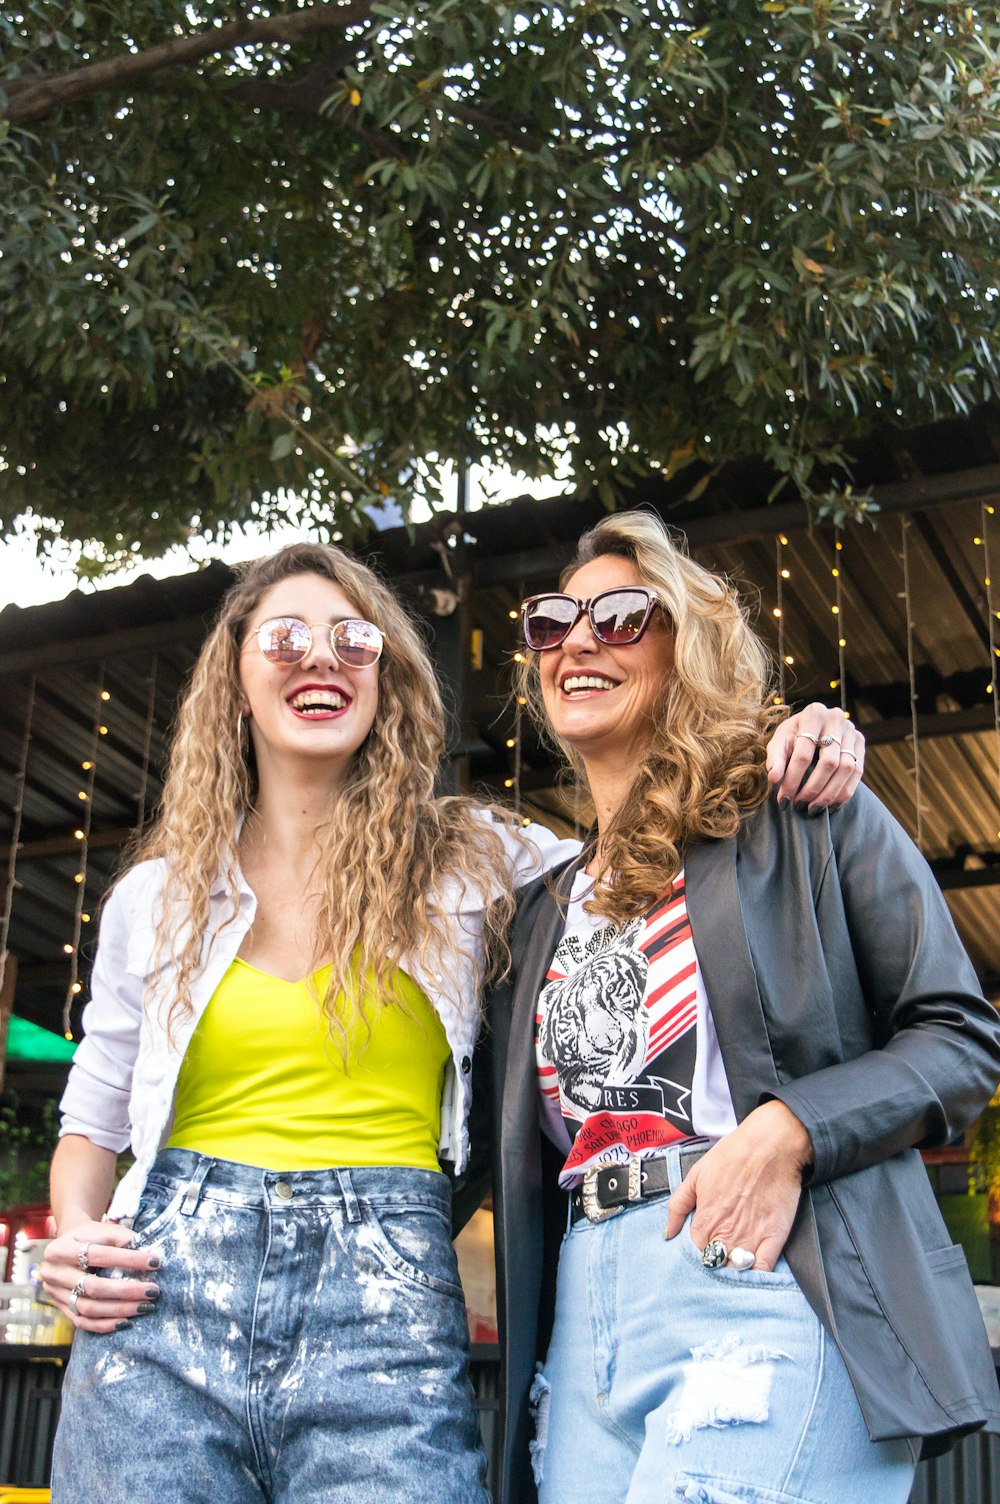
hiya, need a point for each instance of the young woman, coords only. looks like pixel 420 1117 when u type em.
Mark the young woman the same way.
pixel 283 1014
pixel 729 1033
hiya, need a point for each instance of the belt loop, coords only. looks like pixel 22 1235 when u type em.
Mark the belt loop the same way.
pixel 351 1207
pixel 191 1196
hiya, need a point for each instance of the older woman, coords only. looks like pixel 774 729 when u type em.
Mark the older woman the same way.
pixel 730 1031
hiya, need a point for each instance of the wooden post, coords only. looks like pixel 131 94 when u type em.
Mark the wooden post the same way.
pixel 8 981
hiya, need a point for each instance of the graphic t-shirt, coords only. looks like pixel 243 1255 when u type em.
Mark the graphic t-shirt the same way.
pixel 624 1042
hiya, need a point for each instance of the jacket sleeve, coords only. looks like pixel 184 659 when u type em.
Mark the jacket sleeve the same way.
pixel 96 1100
pixel 936 1059
pixel 471 1186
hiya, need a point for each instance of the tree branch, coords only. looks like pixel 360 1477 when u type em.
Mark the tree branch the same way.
pixel 32 96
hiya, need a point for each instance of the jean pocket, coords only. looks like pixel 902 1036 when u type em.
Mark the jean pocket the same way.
pixel 158 1210
pixel 702 1488
pixel 778 1278
pixel 414 1244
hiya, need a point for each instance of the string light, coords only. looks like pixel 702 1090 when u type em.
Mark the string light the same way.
pixel 73 986
pixel 837 609
pixel 518 749
pixel 147 743
pixel 911 667
pixel 992 616
pixel 785 660
pixel 15 835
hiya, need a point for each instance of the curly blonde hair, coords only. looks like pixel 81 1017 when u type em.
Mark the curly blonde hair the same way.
pixel 388 844
pixel 703 770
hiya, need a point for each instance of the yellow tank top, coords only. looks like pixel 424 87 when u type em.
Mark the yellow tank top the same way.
pixel 263 1083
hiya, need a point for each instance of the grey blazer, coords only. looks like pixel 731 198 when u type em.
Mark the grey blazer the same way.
pixel 837 984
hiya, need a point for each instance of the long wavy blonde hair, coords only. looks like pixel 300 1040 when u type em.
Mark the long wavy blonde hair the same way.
pixel 388 844
pixel 703 769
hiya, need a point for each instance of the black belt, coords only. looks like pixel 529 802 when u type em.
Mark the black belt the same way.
pixel 609 1189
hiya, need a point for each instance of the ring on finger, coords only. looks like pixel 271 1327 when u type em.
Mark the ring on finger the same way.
pixel 714 1254
pixel 742 1259
pixel 80 1288
pixel 844 753
pixel 828 741
pixel 808 736
pixel 83 1257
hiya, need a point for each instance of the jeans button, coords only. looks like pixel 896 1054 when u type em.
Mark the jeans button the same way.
pixel 283 1190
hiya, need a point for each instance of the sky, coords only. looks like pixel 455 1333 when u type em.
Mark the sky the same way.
pixel 26 580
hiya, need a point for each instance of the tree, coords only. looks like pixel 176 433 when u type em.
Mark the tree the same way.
pixel 264 259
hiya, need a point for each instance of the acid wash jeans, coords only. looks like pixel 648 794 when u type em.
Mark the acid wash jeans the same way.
pixel 309 1343
pixel 669 1383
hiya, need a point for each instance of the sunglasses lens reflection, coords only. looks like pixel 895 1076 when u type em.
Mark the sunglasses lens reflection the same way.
pixel 358 644
pixel 548 620
pixel 620 615
pixel 284 640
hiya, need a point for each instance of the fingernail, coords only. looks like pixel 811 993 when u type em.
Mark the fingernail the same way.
pixel 144 1307
pixel 783 802
pixel 155 1261
pixel 123 1326
pixel 152 1292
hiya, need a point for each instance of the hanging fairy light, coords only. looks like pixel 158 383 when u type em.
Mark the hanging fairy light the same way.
pixel 147 744
pixel 515 742
pixel 518 759
pixel 912 671
pixel 837 609
pixel 15 834
pixel 82 834
pixel 785 659
pixel 993 620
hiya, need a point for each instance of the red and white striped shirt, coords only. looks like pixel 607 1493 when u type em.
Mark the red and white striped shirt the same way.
pixel 626 1053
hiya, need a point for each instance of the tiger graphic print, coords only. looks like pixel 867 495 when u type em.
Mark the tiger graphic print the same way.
pixel 615 1036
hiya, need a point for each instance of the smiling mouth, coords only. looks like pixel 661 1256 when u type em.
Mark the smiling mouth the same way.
pixel 584 684
pixel 315 703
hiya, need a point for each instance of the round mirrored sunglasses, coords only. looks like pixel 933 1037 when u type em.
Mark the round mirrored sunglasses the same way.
pixel 617 617
pixel 286 639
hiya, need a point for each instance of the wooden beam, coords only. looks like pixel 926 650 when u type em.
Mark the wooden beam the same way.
pixel 917 495
pixel 116 835
pixel 162 634
pixel 979 877
pixel 951 723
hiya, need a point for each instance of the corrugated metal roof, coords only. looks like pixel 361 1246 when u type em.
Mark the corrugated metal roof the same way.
pixel 139 643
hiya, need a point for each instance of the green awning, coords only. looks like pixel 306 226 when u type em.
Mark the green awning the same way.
pixel 27 1041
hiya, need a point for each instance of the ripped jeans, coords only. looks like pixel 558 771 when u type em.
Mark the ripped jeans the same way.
pixel 668 1383
pixel 310 1343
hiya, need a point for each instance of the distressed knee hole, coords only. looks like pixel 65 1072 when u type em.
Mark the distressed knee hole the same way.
pixel 727 1383
pixel 539 1400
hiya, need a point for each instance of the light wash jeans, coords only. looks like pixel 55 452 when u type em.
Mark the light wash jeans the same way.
pixel 309 1344
pixel 668 1383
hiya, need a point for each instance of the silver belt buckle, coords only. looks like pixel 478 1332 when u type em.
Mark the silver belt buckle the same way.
pixel 632 1171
